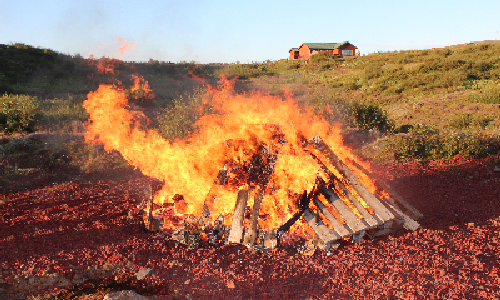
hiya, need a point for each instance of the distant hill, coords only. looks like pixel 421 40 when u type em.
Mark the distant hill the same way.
pixel 46 73
pixel 25 69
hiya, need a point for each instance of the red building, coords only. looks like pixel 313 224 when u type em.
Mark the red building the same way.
pixel 294 53
pixel 331 49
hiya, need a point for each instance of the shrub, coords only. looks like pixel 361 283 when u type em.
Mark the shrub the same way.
pixel 177 120
pixel 426 143
pixel 366 117
pixel 469 120
pixel 319 58
pixel 17 113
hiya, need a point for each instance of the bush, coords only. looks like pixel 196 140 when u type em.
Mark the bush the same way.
pixel 319 58
pixel 469 120
pixel 17 113
pixel 366 117
pixel 427 143
pixel 177 121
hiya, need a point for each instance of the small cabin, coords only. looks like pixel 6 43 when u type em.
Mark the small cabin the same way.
pixel 294 53
pixel 331 49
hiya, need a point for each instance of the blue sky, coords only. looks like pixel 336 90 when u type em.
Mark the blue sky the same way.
pixel 229 31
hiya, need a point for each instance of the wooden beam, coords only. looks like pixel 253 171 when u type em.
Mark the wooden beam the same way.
pixel 149 220
pixel 406 207
pixel 351 220
pixel 407 221
pixel 341 230
pixel 251 234
pixel 236 233
pixel 352 180
pixel 367 217
pixel 326 236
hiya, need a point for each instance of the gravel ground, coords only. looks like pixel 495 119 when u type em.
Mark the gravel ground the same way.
pixel 56 239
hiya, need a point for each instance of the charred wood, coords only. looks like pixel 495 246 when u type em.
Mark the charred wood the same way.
pixel 208 206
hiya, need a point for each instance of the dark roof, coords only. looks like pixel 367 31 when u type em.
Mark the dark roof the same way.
pixel 294 49
pixel 325 46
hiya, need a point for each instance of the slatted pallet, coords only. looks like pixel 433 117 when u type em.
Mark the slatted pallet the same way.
pixel 343 209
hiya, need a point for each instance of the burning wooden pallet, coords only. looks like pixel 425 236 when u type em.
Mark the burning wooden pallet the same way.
pixel 338 208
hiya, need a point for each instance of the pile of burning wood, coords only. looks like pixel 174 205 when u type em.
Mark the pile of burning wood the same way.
pixel 338 208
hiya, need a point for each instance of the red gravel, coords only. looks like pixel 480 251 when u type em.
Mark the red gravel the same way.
pixel 65 228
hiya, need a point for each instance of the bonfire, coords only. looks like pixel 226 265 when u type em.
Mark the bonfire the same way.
pixel 259 171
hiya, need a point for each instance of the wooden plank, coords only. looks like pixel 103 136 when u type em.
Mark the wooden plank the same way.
pixel 251 234
pixel 351 220
pixel 150 224
pixel 379 209
pixel 367 217
pixel 326 235
pixel 406 207
pixel 341 230
pixel 408 222
pixel 236 233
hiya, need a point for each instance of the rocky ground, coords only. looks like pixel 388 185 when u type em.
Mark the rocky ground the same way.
pixel 72 240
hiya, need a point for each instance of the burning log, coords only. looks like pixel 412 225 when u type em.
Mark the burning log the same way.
pixel 304 201
pixel 338 227
pixel 351 220
pixel 208 206
pixel 236 233
pixel 366 214
pixel 251 234
pixel 259 173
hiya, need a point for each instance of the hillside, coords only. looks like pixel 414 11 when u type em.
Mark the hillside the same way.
pixel 443 94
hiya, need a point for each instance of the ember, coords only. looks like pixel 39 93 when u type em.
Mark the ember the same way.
pixel 259 170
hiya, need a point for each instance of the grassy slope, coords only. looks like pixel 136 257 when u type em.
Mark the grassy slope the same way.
pixel 455 91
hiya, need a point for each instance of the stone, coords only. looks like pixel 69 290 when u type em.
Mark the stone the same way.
pixel 143 273
pixel 124 295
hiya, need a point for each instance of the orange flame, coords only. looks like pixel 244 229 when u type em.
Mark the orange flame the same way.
pixel 189 167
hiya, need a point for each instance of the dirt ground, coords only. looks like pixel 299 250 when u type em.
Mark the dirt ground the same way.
pixel 72 240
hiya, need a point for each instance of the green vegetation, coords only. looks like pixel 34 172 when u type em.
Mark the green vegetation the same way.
pixel 177 120
pixel 366 117
pixel 17 113
pixel 426 143
pixel 455 90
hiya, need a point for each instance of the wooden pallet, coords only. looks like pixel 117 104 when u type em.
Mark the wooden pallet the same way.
pixel 344 209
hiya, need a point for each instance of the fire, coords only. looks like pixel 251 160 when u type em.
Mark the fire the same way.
pixel 244 124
